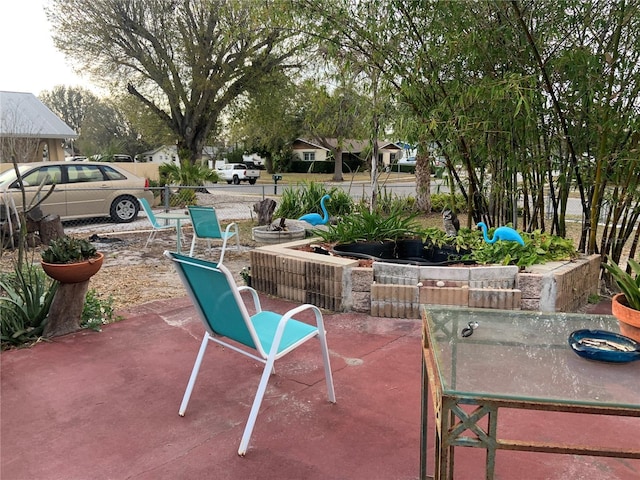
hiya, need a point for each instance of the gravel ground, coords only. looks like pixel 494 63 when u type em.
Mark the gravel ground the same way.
pixel 133 275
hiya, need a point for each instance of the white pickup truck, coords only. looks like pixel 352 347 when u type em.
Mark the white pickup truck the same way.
pixel 237 172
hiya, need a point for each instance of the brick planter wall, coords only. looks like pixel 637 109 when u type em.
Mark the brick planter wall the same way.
pixel 304 277
pixel 397 291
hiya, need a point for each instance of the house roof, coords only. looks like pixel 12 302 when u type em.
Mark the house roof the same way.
pixel 23 115
pixel 169 148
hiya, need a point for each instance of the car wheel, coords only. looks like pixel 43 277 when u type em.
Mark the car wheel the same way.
pixel 236 180
pixel 124 209
pixel 252 181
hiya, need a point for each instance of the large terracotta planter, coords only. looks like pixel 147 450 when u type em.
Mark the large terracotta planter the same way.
pixel 74 272
pixel 628 318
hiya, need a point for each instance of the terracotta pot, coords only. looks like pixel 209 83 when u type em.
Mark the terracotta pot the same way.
pixel 628 318
pixel 74 272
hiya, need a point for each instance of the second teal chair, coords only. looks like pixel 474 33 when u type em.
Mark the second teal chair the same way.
pixel 207 226
pixel 155 224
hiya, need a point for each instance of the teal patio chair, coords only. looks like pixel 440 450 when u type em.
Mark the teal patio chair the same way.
pixel 264 336
pixel 206 225
pixel 156 226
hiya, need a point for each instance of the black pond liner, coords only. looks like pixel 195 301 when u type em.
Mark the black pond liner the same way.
pixel 411 252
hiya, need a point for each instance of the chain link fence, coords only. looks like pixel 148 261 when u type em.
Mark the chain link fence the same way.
pixel 232 202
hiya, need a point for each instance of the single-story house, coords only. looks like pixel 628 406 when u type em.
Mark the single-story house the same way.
pixel 310 151
pixel 162 154
pixel 29 130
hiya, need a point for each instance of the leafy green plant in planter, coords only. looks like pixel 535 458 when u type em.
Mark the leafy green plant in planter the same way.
pixel 628 285
pixel 625 306
pixel 366 226
pixel 71 260
pixel 539 248
pixel 69 250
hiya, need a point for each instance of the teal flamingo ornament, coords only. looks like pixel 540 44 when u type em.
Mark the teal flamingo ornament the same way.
pixel 506 234
pixel 314 218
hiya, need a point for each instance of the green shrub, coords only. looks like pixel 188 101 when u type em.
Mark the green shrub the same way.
pixel 187 174
pixel 442 201
pixel 388 202
pixel 97 312
pixel 306 199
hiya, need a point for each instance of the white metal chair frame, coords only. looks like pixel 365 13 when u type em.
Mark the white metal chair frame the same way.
pixel 267 344
pixel 155 225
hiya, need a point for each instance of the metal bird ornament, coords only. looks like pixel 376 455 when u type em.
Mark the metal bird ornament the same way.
pixel 314 218
pixel 506 234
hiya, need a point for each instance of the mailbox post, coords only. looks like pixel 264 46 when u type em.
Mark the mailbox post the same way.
pixel 276 177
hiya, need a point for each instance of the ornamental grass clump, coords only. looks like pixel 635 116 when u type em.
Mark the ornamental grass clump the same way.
pixel 366 226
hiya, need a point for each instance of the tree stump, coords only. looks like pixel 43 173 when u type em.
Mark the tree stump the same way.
pixel 34 217
pixel 65 313
pixel 50 229
pixel 264 209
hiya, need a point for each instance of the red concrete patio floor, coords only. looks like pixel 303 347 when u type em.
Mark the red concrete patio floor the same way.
pixel 104 406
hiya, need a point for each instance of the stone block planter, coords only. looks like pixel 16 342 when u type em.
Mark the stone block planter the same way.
pixel 396 290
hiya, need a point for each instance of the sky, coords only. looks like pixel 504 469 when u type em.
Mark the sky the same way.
pixel 29 62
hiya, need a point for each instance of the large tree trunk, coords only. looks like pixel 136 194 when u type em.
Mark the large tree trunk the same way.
pixel 423 180
pixel 337 172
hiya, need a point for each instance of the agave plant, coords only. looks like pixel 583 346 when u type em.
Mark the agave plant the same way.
pixel 26 297
pixel 630 286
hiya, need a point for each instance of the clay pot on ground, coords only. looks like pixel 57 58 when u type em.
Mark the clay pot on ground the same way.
pixel 628 318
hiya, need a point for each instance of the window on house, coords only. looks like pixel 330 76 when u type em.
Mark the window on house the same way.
pixel 392 158
pixel 309 156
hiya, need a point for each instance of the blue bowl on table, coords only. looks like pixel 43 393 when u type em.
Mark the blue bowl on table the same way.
pixel 604 346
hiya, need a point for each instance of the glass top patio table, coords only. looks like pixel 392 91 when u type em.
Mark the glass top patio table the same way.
pixel 525 356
